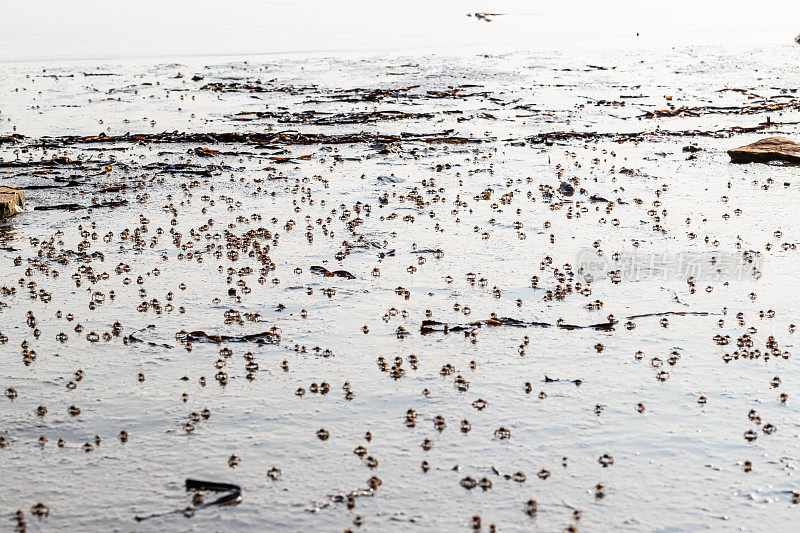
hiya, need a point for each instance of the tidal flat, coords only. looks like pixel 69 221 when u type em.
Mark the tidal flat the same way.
pixel 525 291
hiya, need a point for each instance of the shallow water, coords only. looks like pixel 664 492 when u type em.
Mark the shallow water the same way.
pixel 92 29
pixel 488 214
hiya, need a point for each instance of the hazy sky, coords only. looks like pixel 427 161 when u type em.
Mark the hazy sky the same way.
pixel 61 29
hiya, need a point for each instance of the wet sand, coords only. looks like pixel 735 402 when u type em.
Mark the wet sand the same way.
pixel 399 293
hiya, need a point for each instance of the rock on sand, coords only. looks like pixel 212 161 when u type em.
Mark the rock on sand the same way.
pixel 11 201
pixel 766 150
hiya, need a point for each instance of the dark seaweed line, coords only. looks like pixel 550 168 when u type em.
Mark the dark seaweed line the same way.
pixel 560 136
pixel 283 137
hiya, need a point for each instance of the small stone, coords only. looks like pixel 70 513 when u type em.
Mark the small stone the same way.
pixel 11 201
pixel 766 150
